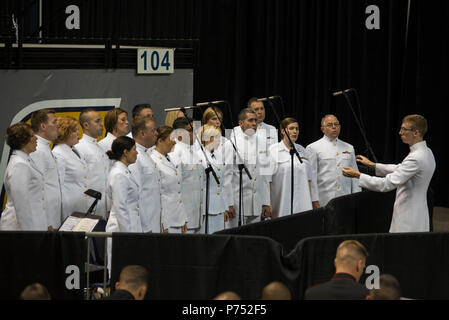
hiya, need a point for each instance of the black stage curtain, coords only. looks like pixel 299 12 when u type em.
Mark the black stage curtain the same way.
pixel 288 230
pixel 43 257
pixel 418 260
pixel 190 267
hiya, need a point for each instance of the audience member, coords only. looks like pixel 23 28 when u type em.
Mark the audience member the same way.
pixel 389 289
pixel 35 291
pixel 132 284
pixel 349 265
pixel 276 291
pixel 228 295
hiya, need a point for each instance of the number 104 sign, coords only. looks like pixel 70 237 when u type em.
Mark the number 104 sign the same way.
pixel 155 60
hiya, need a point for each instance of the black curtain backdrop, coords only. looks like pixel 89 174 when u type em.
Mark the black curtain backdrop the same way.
pixel 302 50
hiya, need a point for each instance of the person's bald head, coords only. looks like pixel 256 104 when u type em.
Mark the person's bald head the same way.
pixel 228 295
pixel 276 291
pixel 351 258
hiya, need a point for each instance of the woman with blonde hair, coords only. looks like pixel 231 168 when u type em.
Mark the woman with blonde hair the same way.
pixel 72 168
pixel 172 116
pixel 221 206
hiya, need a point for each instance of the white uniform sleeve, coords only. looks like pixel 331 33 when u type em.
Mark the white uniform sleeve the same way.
pixel 313 170
pixel 383 169
pixel 407 169
pixel 21 199
pixel 228 155
pixel 119 186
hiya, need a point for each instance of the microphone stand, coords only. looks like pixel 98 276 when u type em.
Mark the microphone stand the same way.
pixel 241 166
pixel 208 170
pixel 360 125
pixel 293 152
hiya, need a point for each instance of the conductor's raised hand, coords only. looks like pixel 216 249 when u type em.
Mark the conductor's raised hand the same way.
pixel 365 161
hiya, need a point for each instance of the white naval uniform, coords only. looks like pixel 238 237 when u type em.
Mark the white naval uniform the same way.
pixel 255 192
pixel 72 171
pixel 173 213
pixel 97 171
pixel 25 188
pixel 147 175
pixel 281 180
pixel 187 159
pixel 220 196
pixel 45 162
pixel 126 203
pixel 265 131
pixel 411 178
pixel 106 142
pixel 327 158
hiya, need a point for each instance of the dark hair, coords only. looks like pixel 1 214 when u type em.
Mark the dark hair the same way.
pixel 18 135
pixel 180 123
pixel 250 102
pixel 139 107
pixel 38 117
pixel 35 291
pixel 134 276
pixel 163 132
pixel 84 116
pixel 118 147
pixel 111 118
pixel 139 123
pixel 243 114
pixel 285 123
pixel 389 288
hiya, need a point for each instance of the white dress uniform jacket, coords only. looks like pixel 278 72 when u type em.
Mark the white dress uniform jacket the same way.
pixel 187 159
pixel 72 170
pixel 45 162
pixel 147 175
pixel 25 188
pixel 107 141
pixel 97 170
pixel 265 131
pixel 281 180
pixel 124 194
pixel 173 212
pixel 255 192
pixel 327 158
pixel 411 178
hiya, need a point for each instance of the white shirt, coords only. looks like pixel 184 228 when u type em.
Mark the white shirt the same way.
pixel 124 193
pixel 45 162
pixel 187 159
pixel 25 187
pixel 73 177
pixel 281 180
pixel 327 157
pixel 97 170
pixel 411 178
pixel 147 175
pixel 220 196
pixel 255 192
pixel 173 212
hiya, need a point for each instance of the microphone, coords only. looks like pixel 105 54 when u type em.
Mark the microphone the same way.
pixel 180 108
pixel 204 104
pixel 337 93
pixel 267 98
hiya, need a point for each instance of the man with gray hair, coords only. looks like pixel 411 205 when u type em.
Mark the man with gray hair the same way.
pixel 349 263
pixel 256 203
pixel 327 156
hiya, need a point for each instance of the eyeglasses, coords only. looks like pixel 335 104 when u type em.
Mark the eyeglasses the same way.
pixel 405 129
pixel 330 125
